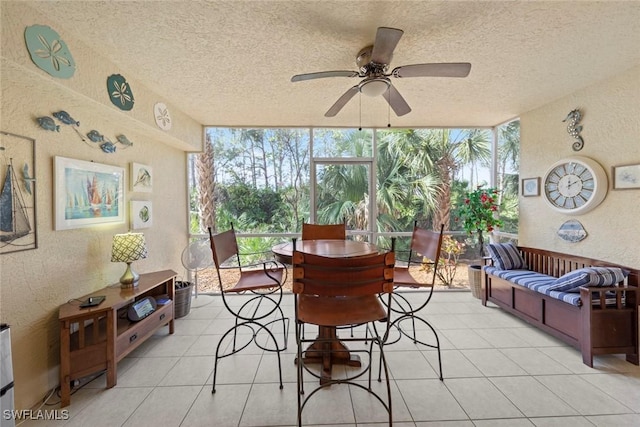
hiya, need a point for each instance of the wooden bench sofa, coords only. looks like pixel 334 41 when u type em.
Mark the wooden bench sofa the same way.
pixel 603 321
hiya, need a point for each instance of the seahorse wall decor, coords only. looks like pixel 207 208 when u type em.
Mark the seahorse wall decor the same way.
pixel 574 129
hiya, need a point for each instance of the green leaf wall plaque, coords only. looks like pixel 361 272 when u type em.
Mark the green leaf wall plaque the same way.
pixel 120 92
pixel 49 52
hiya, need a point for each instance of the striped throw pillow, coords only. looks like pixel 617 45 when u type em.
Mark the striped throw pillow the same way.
pixel 589 276
pixel 505 256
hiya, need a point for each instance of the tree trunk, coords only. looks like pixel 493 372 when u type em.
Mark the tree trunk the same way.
pixel 481 243
pixel 445 168
pixel 206 186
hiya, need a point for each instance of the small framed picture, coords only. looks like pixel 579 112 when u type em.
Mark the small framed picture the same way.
pixel 141 178
pixel 626 177
pixel 531 187
pixel 141 214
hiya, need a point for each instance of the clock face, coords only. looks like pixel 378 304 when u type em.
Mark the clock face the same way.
pixel 575 185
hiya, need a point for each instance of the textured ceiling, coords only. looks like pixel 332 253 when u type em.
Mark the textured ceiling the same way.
pixel 229 63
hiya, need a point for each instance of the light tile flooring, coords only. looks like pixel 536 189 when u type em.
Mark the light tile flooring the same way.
pixel 498 371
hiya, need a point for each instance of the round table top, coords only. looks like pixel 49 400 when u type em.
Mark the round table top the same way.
pixel 327 248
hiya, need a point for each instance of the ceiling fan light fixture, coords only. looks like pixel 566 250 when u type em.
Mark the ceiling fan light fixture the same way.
pixel 375 87
pixel 373 62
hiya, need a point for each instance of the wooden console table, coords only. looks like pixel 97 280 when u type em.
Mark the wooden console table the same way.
pixel 97 338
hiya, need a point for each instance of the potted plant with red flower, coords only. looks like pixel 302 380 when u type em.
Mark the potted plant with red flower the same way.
pixel 479 213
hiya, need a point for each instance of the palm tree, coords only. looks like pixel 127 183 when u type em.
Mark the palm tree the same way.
pixel 412 150
pixel 206 185
pixel 434 151
pixel 474 150
pixel 402 193
pixel 508 153
pixel 343 189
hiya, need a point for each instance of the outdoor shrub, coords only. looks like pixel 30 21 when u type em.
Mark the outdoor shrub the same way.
pixel 448 262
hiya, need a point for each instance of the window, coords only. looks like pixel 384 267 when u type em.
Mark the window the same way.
pixel 257 179
pixel 381 181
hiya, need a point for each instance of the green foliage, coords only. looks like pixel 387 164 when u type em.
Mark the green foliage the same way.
pixel 194 212
pixel 259 206
pixel 478 212
pixel 255 249
pixel 509 212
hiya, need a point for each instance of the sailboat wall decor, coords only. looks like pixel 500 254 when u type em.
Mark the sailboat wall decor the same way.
pixel 17 194
pixel 87 194
pixel 14 222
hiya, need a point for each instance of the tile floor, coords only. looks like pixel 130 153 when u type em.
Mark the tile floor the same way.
pixel 498 372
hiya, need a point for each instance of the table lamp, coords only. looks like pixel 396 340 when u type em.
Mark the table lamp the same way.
pixel 127 248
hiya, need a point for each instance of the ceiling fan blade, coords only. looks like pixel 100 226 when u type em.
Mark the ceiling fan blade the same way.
pixel 323 74
pixel 450 69
pixel 341 102
pixel 396 101
pixel 386 41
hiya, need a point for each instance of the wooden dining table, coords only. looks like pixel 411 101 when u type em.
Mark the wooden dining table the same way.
pixel 327 350
pixel 326 248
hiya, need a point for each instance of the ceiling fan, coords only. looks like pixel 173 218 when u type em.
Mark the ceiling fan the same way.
pixel 373 63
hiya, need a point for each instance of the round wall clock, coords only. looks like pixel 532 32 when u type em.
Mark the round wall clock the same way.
pixel 575 185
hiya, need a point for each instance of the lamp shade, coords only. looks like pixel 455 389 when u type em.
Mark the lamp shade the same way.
pixel 128 247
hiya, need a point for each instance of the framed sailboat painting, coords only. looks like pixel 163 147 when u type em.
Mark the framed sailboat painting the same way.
pixel 18 231
pixel 87 194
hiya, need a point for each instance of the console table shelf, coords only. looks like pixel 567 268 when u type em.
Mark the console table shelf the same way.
pixel 95 339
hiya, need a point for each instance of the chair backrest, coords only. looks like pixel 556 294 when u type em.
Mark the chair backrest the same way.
pixel 426 243
pixel 324 231
pixel 334 277
pixel 223 246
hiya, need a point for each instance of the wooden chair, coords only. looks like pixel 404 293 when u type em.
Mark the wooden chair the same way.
pixel 424 249
pixel 324 231
pixel 261 312
pixel 334 292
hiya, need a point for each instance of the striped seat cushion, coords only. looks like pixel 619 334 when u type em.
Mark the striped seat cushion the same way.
pixel 569 297
pixel 526 278
pixel 537 282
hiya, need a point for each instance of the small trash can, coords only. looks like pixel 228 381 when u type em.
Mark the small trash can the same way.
pixel 475 280
pixel 183 298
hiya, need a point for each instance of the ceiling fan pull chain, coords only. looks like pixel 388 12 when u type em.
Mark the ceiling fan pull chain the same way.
pixel 389 112
pixel 360 99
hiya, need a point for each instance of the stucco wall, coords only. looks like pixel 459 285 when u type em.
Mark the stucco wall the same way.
pixel 71 263
pixel 611 132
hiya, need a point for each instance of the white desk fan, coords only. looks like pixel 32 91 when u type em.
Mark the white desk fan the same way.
pixel 197 256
